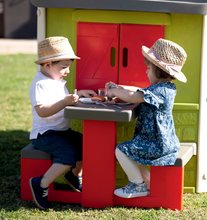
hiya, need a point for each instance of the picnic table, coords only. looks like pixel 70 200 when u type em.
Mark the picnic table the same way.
pixel 99 141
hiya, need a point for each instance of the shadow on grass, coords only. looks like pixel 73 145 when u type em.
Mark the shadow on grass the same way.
pixel 11 143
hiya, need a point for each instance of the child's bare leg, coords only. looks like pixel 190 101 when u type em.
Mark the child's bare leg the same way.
pixel 77 171
pixel 146 175
pixel 52 173
pixel 130 167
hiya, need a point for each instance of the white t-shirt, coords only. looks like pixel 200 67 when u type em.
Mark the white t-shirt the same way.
pixel 45 90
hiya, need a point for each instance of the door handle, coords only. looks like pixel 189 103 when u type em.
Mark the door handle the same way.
pixel 113 57
pixel 125 57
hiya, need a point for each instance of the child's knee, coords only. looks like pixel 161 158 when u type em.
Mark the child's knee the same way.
pixel 117 152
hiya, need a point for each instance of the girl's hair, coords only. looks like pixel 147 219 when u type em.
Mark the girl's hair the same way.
pixel 159 73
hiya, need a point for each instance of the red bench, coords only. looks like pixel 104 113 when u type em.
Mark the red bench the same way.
pixel 166 182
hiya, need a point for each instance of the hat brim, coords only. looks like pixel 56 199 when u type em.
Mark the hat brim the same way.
pixel 150 56
pixel 52 59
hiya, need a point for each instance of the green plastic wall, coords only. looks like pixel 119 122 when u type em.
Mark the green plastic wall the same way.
pixel 185 29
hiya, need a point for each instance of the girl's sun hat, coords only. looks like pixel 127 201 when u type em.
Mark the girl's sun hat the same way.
pixel 53 49
pixel 168 56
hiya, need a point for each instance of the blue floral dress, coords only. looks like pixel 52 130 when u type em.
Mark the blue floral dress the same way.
pixel 154 142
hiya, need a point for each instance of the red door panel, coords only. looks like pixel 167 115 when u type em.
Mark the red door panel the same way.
pixel 132 70
pixel 97 45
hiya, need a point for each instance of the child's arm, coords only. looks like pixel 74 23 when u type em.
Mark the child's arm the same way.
pixel 131 88
pixel 126 95
pixel 109 85
pixel 51 109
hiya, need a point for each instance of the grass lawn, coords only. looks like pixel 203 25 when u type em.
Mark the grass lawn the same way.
pixel 16 73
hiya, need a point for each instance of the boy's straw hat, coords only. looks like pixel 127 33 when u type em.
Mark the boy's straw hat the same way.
pixel 168 56
pixel 54 49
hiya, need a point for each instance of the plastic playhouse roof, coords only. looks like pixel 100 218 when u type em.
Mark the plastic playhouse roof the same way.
pixel 167 6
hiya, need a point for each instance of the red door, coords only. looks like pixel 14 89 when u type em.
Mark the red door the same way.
pixel 112 52
pixel 132 70
pixel 97 45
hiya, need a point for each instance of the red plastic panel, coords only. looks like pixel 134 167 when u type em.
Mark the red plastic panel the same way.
pixel 112 52
pixel 99 139
pixel 35 167
pixel 97 45
pixel 164 192
pixel 31 168
pixel 132 37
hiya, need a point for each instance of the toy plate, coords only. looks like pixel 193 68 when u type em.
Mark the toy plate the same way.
pixel 86 100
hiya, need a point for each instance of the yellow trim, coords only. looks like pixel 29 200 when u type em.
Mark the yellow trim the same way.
pixel 186 106
pixel 122 17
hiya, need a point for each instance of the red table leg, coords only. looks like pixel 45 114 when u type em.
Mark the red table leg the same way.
pixel 99 139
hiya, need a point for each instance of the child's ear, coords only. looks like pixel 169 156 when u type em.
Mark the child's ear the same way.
pixel 46 65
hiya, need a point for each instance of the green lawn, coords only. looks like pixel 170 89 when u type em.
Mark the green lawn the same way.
pixel 16 73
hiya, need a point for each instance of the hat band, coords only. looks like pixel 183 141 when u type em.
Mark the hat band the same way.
pixel 171 68
pixel 53 56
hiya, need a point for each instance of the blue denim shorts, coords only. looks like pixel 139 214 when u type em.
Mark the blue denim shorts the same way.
pixel 65 147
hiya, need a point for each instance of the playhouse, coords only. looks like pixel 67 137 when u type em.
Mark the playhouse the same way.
pixel 108 34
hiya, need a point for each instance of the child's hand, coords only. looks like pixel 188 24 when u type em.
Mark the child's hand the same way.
pixel 110 85
pixel 71 99
pixel 110 93
pixel 87 93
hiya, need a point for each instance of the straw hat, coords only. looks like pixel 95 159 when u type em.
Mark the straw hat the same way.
pixel 54 49
pixel 168 56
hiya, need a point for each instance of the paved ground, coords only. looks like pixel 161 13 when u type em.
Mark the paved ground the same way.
pixel 12 46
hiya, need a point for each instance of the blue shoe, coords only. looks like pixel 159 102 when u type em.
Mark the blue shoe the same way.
pixel 132 190
pixel 75 182
pixel 40 195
